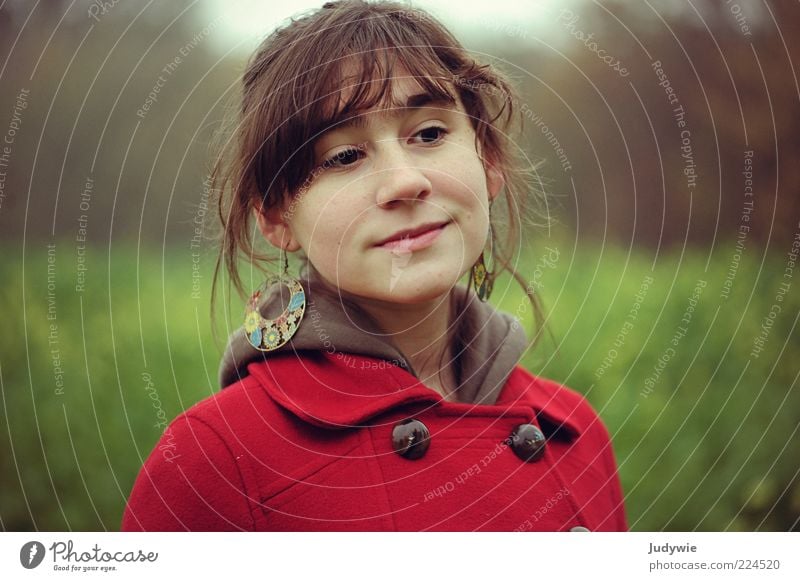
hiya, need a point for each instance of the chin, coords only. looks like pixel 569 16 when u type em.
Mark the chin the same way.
pixel 410 290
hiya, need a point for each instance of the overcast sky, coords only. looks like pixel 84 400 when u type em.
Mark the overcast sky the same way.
pixel 253 19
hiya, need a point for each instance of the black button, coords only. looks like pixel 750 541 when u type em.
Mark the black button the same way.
pixel 528 442
pixel 579 530
pixel 410 439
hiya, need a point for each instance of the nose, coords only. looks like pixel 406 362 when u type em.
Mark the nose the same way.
pixel 398 177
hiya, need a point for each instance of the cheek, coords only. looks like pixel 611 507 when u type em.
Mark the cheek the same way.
pixel 475 219
pixel 465 191
pixel 466 176
pixel 476 233
pixel 324 231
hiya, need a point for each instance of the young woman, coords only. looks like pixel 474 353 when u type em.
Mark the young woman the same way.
pixel 378 393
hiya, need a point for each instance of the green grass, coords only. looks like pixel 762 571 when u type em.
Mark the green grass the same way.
pixel 707 441
pixel 711 445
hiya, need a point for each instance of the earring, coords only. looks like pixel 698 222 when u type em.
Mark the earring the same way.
pixel 483 278
pixel 270 334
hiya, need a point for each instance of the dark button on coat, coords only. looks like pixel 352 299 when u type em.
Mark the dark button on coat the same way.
pixel 305 442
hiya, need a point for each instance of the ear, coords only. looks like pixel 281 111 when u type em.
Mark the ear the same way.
pixel 494 180
pixel 275 229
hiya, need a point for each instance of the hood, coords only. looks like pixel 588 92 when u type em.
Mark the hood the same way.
pixel 498 340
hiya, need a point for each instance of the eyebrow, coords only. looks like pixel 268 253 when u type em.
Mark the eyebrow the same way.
pixel 358 120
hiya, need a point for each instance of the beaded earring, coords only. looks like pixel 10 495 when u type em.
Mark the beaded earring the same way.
pixel 482 277
pixel 270 334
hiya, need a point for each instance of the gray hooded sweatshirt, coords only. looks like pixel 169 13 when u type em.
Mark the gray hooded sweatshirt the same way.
pixel 495 343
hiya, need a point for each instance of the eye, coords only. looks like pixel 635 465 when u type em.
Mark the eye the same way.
pixel 431 134
pixel 343 158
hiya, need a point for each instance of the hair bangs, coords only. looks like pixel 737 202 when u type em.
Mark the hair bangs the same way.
pixel 365 83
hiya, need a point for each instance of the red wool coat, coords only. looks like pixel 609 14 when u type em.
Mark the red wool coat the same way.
pixel 310 442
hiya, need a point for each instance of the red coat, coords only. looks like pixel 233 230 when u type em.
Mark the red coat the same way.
pixel 307 442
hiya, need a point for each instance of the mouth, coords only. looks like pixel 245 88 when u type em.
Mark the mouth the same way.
pixel 413 239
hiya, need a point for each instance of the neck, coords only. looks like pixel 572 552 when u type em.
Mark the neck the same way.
pixel 420 332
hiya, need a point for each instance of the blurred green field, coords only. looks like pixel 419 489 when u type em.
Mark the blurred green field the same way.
pixel 706 440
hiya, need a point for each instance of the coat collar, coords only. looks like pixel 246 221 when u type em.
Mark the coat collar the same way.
pixel 338 390
pixel 494 345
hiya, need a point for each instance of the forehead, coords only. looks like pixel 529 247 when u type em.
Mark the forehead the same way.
pixel 387 92
pixel 360 94
pixel 406 97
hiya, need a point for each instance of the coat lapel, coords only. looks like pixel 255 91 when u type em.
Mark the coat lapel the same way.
pixel 337 391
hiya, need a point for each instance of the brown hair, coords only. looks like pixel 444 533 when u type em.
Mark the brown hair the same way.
pixel 290 96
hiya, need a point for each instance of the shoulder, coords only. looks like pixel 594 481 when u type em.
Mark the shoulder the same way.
pixel 190 481
pixel 579 440
pixel 196 478
pixel 556 403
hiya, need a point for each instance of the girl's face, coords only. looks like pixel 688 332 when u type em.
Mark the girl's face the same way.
pixel 413 168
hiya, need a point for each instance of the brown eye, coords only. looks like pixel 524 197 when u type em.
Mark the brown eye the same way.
pixel 343 158
pixel 432 134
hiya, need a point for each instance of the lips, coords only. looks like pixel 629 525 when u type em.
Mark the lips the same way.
pixel 411 233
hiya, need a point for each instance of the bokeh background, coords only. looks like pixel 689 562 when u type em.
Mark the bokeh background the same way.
pixel 669 272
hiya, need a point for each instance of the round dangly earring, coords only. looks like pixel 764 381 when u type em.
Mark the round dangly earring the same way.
pixel 270 334
pixel 482 277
